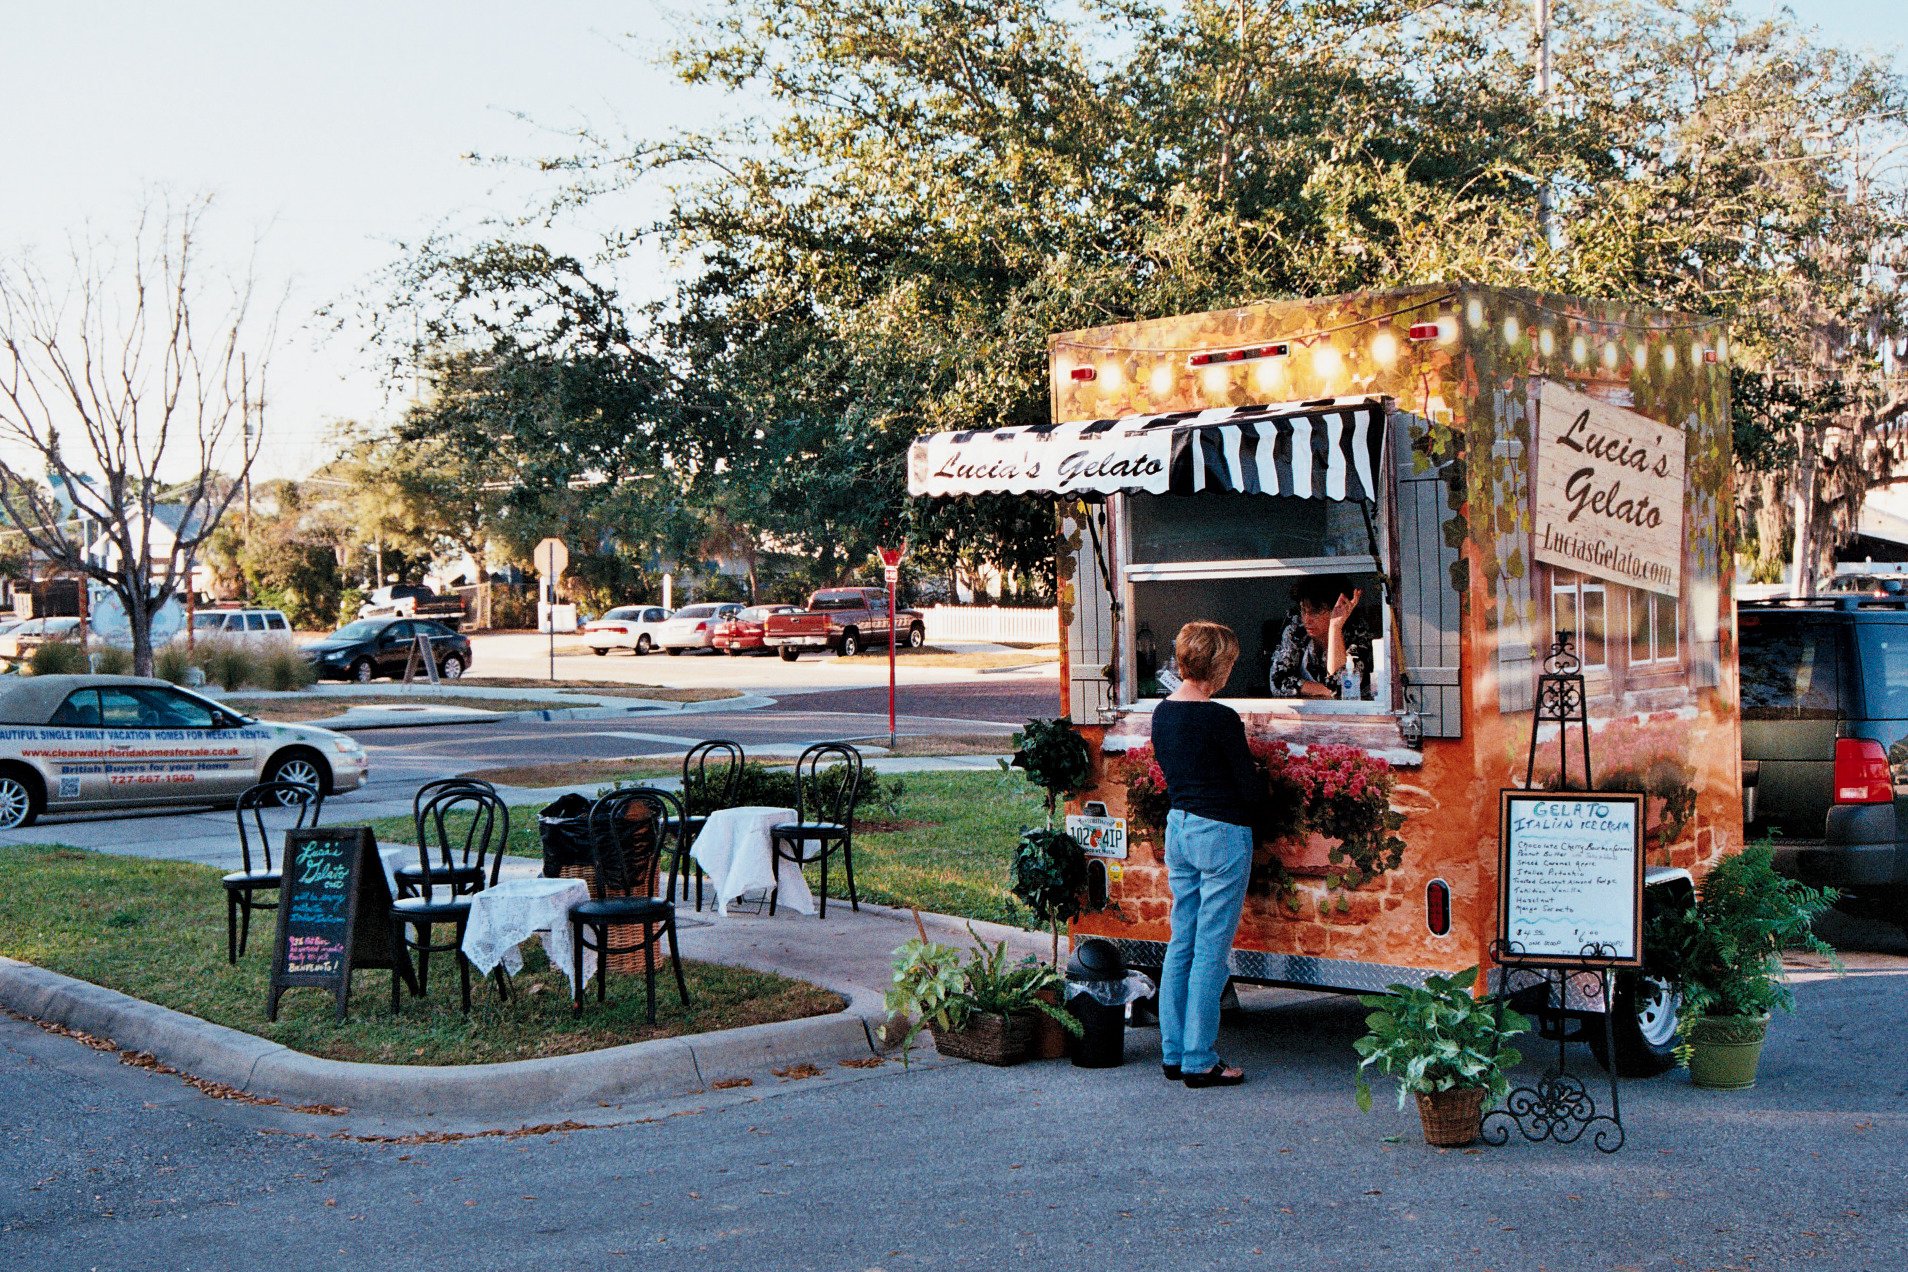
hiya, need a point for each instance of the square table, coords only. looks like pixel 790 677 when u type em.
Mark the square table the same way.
pixel 506 914
pixel 734 850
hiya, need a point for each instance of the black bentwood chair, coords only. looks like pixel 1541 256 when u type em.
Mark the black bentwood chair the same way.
pixel 460 874
pixel 259 872
pixel 828 781
pixel 444 886
pixel 711 779
pixel 626 846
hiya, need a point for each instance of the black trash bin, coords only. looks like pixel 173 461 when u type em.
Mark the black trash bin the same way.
pixel 1096 984
pixel 564 828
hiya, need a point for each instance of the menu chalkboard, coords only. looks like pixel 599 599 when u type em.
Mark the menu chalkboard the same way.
pixel 334 913
pixel 1570 877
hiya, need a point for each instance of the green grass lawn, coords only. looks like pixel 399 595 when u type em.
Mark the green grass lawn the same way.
pixel 156 930
pixel 948 847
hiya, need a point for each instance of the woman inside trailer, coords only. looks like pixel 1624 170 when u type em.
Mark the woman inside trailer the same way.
pixel 1325 649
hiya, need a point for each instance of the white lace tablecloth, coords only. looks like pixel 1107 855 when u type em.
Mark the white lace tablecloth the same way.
pixel 734 851
pixel 507 914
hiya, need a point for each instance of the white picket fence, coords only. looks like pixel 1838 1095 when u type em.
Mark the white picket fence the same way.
pixel 1019 624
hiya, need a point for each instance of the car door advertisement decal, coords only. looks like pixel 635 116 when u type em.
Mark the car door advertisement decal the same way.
pixel 131 757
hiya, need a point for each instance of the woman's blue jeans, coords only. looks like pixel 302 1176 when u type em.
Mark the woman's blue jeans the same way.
pixel 1207 865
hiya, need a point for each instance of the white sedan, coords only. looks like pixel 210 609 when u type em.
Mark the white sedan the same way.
pixel 83 743
pixel 631 627
pixel 693 626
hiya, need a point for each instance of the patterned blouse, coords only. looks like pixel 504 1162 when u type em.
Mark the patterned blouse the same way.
pixel 1300 658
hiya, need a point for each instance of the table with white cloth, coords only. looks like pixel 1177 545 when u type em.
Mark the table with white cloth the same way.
pixel 735 851
pixel 505 915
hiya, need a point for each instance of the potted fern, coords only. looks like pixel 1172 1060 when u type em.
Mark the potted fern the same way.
pixel 1445 1046
pixel 980 1008
pixel 1726 953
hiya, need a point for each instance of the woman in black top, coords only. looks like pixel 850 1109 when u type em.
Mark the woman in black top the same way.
pixel 1213 790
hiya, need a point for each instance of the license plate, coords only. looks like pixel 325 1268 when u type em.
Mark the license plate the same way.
pixel 1100 836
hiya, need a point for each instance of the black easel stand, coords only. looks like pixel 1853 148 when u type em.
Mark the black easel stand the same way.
pixel 1560 1107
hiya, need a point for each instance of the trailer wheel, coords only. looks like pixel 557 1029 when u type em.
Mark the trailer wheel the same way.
pixel 1647 1009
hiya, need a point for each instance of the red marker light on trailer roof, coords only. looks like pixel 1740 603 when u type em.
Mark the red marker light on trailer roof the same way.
pixel 1083 373
pixel 1425 331
pixel 1250 353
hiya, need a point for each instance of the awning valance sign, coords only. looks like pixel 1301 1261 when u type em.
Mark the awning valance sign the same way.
pixel 1313 450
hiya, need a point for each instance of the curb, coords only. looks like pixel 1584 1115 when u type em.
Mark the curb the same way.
pixel 661 1068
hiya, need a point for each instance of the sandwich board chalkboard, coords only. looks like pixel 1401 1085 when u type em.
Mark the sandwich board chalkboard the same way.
pixel 334 914
pixel 1570 877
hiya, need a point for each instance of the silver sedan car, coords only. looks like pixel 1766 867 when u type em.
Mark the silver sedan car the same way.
pixel 84 743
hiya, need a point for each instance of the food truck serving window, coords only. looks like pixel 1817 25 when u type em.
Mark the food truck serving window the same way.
pixel 1259 564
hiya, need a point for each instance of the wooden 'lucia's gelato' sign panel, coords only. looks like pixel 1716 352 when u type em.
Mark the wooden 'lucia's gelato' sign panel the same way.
pixel 1609 491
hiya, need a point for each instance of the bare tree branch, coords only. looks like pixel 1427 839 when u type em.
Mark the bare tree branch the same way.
pixel 131 381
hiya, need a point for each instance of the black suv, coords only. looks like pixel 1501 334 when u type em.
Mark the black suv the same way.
pixel 1825 740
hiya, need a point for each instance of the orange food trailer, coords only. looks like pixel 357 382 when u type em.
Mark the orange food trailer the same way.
pixel 1500 476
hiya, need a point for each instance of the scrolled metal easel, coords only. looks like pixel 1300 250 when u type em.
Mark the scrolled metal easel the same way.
pixel 1562 698
pixel 1560 1108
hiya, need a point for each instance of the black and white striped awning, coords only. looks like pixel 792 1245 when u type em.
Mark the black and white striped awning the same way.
pixel 1315 450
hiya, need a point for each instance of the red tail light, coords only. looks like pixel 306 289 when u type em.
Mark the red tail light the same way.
pixel 1862 775
pixel 702 627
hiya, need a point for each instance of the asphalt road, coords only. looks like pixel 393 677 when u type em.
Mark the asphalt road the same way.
pixel 407 755
pixel 961 1166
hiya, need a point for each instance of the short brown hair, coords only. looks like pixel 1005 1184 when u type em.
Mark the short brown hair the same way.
pixel 1204 649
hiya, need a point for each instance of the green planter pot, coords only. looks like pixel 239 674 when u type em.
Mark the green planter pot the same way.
pixel 1724 1050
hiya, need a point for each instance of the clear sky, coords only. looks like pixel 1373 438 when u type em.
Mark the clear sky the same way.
pixel 336 130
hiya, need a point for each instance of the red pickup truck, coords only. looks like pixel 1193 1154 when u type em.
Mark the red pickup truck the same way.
pixel 844 619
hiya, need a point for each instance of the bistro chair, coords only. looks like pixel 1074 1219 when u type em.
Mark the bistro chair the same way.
pixel 627 829
pixel 453 865
pixel 713 771
pixel 827 783
pixel 458 872
pixel 259 873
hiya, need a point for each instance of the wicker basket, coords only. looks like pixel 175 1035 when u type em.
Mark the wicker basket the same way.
pixel 622 961
pixel 987 1037
pixel 1451 1117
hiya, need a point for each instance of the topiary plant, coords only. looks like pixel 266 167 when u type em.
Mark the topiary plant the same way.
pixel 1050 878
pixel 1054 757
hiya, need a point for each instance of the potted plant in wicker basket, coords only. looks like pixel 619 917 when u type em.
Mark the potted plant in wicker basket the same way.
pixel 1443 1045
pixel 980 1008
pixel 1726 953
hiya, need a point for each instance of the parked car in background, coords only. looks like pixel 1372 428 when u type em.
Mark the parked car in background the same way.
pixel 19 642
pixel 631 627
pixel 693 626
pixel 373 647
pixel 846 620
pixel 1825 742
pixel 72 743
pixel 252 626
pixel 409 600
pixel 741 632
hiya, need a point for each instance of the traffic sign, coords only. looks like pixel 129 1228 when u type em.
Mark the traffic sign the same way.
pixel 552 558
pixel 892 573
pixel 891 557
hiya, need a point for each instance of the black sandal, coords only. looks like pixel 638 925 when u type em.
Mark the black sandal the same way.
pixel 1218 1075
